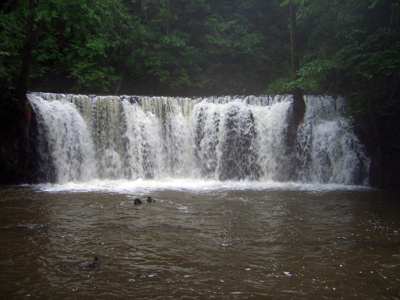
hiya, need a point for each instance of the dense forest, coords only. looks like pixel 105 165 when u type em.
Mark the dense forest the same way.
pixel 203 47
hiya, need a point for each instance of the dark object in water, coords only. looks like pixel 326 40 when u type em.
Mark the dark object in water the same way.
pixel 150 200
pixel 137 201
pixel 95 263
pixel 23 199
pixel 26 227
pixel 33 226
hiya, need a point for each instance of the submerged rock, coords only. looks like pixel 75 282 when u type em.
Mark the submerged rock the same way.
pixel 95 263
pixel 26 227
pixel 23 199
pixel 33 226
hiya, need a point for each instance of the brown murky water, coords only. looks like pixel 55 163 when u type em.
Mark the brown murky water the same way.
pixel 215 244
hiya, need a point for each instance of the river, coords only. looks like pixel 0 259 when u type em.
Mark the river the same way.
pixel 199 240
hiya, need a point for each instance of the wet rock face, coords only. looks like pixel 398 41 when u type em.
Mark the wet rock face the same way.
pixel 40 165
pixel 239 148
pixel 20 161
pixel 226 143
pixel 206 139
pixel 11 135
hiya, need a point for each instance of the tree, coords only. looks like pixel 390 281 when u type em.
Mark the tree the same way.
pixel 63 37
pixel 351 48
pixel 372 54
pixel 299 105
pixel 186 46
pixel 27 54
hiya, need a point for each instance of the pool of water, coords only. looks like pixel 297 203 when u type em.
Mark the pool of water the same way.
pixel 198 241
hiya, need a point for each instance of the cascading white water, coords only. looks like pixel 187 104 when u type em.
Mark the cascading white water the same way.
pixel 71 147
pixel 219 138
pixel 328 150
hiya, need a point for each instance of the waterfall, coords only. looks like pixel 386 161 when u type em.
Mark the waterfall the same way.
pixel 85 137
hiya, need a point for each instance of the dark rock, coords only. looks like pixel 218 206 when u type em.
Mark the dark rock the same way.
pixel 26 227
pixel 23 199
pixel 33 226
pixel 95 263
pixel 137 201
pixel 20 158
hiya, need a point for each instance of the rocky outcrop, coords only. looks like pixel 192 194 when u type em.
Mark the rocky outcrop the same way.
pixel 19 159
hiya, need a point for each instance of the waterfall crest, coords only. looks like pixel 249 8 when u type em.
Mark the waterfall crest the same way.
pixel 84 137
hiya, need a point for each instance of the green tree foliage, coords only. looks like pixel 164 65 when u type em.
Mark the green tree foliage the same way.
pixel 202 46
pixel 352 48
pixel 150 46
pixel 73 37
pixel 12 35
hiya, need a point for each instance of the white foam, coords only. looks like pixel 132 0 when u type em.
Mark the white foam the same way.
pixel 189 185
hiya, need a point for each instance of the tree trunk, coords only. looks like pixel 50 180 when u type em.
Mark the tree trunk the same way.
pixel 27 55
pixel 298 108
pixel 299 105
pixel 120 81
pixel 168 29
